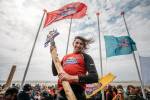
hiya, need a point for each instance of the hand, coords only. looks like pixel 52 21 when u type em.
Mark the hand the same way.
pixel 63 76
pixel 66 77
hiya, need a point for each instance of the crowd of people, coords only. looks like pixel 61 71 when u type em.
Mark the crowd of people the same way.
pixel 119 92
pixel 43 92
pixel 29 92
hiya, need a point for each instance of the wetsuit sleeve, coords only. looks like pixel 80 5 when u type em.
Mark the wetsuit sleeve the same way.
pixel 92 75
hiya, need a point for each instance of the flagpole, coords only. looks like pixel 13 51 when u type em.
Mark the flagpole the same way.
pixel 27 66
pixel 69 35
pixel 100 54
pixel 141 82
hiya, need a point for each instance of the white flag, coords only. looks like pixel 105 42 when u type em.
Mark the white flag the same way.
pixel 145 69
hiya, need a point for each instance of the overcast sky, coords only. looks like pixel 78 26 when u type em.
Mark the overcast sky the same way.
pixel 19 24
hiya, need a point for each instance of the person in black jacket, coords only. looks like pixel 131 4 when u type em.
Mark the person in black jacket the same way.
pixel 11 94
pixel 79 69
pixel 26 93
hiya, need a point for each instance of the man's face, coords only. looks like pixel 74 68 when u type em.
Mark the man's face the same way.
pixel 8 97
pixel 29 92
pixel 132 90
pixel 78 45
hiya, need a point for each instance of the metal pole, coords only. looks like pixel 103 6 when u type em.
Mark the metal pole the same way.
pixel 100 54
pixel 27 66
pixel 69 36
pixel 141 82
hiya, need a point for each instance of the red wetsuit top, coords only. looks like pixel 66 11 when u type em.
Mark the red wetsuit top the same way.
pixel 73 64
pixel 80 64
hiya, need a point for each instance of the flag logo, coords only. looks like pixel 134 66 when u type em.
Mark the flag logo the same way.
pixel 123 43
pixel 67 11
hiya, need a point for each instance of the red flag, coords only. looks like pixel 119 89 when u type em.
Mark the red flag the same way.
pixel 74 10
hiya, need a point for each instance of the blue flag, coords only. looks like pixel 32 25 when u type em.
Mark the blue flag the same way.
pixel 119 45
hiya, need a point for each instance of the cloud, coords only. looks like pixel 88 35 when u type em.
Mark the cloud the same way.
pixel 83 25
pixel 113 19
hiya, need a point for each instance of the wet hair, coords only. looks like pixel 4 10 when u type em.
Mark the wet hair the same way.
pixel 119 87
pixel 85 41
pixel 130 86
pixel 27 87
pixel 11 91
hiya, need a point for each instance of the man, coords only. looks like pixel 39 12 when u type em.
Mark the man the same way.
pixel 11 94
pixel 26 93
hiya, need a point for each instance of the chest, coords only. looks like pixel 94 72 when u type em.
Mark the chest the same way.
pixel 73 59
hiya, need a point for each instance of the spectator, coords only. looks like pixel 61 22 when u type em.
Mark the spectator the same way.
pixel 26 93
pixel 11 94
